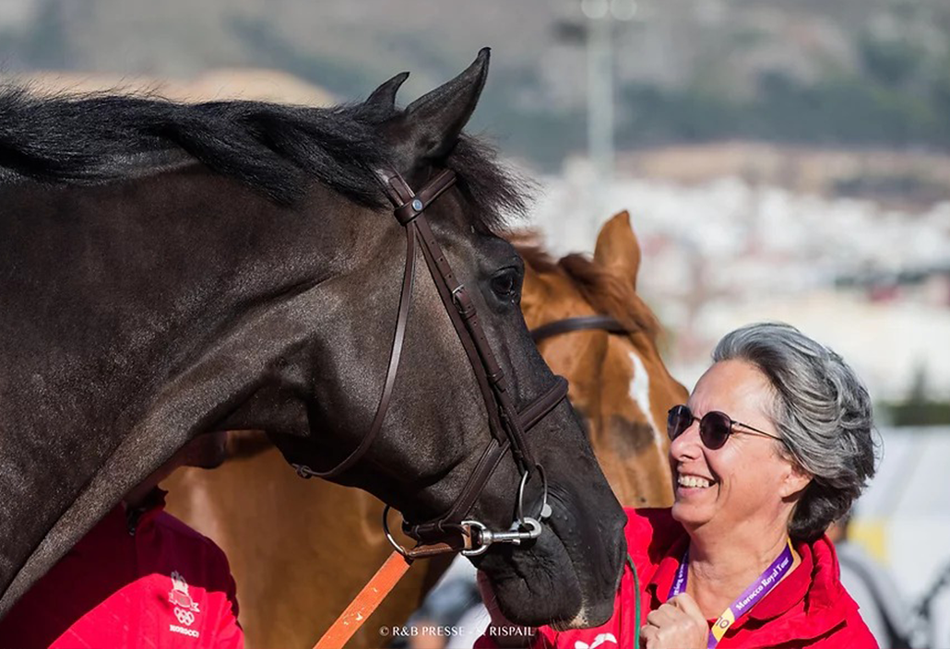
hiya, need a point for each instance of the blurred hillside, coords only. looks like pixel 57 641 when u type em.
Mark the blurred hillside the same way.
pixel 853 72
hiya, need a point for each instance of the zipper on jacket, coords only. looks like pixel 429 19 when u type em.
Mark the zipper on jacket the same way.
pixel 132 517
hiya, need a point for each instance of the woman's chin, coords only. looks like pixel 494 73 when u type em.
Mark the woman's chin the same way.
pixel 688 514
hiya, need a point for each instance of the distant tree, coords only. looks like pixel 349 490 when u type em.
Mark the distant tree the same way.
pixel 892 62
pixel 919 409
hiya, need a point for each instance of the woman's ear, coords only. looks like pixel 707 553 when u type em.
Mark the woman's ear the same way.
pixel 796 481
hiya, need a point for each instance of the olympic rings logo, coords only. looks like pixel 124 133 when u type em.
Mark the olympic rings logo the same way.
pixel 184 617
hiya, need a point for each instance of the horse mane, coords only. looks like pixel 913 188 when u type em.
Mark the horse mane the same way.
pixel 276 150
pixel 606 293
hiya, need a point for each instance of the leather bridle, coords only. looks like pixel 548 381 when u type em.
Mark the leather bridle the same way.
pixel 453 531
pixel 471 537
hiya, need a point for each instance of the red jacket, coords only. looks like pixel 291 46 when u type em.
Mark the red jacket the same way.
pixel 809 608
pixel 142 580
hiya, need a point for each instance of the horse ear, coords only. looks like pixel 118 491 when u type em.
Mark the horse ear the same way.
pixel 431 125
pixel 381 104
pixel 618 249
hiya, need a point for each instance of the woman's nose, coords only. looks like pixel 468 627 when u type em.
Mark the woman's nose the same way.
pixel 687 444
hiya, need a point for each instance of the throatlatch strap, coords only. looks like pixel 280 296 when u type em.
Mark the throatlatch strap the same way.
pixel 580 323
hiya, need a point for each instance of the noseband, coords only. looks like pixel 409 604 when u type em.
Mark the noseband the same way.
pixel 453 531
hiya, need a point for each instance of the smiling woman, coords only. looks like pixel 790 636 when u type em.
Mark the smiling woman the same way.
pixel 773 445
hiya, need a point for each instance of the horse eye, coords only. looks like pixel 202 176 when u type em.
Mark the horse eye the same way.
pixel 504 285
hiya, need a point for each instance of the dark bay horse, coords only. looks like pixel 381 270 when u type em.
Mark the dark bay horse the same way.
pixel 294 576
pixel 174 269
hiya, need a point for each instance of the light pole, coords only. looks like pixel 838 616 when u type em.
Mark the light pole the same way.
pixel 601 15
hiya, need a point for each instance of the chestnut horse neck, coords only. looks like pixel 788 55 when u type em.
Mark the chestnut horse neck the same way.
pixel 592 327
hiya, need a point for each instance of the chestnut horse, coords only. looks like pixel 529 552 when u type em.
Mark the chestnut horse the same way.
pixel 618 383
pixel 295 574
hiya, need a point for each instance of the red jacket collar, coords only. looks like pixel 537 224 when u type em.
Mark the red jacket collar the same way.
pixel 144 514
pixel 666 570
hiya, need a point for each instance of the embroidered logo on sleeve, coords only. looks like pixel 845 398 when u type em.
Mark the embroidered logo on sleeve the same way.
pixel 185 606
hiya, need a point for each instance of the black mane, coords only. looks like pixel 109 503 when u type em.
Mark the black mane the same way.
pixel 276 150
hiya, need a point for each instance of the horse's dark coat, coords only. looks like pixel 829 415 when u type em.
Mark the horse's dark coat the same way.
pixel 256 288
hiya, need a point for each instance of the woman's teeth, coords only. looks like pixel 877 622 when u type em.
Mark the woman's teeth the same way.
pixel 692 481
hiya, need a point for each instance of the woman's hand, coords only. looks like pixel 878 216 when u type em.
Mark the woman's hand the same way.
pixel 678 624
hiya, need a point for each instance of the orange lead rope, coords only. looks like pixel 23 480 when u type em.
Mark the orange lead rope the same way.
pixel 366 602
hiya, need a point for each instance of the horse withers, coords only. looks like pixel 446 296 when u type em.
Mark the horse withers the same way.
pixel 173 269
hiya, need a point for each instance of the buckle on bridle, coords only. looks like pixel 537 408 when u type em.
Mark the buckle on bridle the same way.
pixel 304 471
pixel 477 537
pixel 463 303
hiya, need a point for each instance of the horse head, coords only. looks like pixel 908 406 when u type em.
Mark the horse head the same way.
pixel 439 458
pixel 619 382
pixel 236 265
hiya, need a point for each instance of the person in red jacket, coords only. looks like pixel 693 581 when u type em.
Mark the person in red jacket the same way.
pixel 139 578
pixel 774 444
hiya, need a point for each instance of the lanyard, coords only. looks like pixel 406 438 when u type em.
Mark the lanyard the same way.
pixel 749 598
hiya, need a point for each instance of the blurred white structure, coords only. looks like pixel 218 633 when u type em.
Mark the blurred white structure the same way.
pixel 722 254
pixel 903 520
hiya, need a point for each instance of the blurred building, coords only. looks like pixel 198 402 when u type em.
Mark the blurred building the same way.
pixel 868 277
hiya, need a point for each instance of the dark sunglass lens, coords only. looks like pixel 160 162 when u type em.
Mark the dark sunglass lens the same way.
pixel 678 421
pixel 714 429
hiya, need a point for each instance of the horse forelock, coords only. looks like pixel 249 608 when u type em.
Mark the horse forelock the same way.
pixel 277 150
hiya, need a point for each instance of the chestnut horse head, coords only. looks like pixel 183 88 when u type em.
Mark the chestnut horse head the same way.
pixel 618 380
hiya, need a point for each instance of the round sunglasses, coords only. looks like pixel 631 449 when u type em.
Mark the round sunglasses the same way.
pixel 714 428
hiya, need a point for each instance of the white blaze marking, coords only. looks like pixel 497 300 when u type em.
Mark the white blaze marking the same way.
pixel 640 392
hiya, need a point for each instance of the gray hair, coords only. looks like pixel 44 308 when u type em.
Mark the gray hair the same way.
pixel 822 411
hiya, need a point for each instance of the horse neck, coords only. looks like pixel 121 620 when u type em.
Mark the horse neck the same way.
pixel 116 300
pixel 138 276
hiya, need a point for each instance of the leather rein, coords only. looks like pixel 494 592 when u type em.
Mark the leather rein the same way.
pixel 454 531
